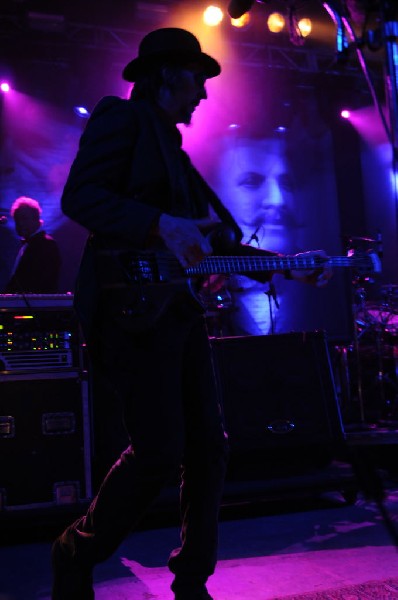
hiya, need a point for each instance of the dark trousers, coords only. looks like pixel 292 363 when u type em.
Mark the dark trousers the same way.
pixel 173 418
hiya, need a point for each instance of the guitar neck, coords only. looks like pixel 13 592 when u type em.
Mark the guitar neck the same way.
pixel 251 264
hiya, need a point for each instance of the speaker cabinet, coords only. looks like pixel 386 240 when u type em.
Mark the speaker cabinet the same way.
pixel 277 393
pixel 44 440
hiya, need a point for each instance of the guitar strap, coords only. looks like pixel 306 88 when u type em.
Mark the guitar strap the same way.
pixel 171 152
pixel 186 181
pixel 214 201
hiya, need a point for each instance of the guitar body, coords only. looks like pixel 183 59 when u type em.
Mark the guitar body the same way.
pixel 138 311
pixel 139 288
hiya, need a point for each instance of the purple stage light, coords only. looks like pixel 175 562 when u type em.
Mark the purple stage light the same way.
pixel 5 87
pixel 81 111
pixel 345 114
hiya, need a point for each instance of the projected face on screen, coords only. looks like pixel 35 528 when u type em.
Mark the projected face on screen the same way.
pixel 256 185
pixel 282 190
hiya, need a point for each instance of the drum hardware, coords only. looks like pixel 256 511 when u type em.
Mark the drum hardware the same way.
pixel 343 379
pixel 389 293
pixel 383 318
pixel 359 294
pixel 387 350
pixel 372 389
pixel 354 394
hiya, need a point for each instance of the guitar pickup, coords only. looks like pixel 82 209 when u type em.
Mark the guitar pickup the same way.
pixel 145 271
pixel 151 268
pixel 140 270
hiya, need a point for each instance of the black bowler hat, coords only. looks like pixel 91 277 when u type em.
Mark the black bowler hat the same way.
pixel 169 44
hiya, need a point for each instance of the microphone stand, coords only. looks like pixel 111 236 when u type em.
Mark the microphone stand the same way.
pixel 358 293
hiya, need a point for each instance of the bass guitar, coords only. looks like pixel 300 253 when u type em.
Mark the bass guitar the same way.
pixel 151 281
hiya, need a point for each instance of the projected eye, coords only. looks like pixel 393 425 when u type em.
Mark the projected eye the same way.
pixel 285 182
pixel 251 180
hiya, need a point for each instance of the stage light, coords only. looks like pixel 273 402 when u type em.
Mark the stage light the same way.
pixel 212 16
pixel 243 21
pixel 81 111
pixel 5 87
pixel 345 114
pixel 276 22
pixel 305 27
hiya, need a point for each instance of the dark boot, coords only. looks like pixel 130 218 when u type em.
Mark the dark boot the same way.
pixel 193 594
pixel 190 588
pixel 71 580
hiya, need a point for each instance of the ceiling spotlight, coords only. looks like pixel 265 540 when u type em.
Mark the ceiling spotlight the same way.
pixel 305 27
pixel 345 114
pixel 5 87
pixel 81 111
pixel 212 16
pixel 276 22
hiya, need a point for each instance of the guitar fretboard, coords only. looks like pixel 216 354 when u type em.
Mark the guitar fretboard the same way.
pixel 247 264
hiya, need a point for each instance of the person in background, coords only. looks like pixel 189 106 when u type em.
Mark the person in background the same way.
pixel 134 188
pixel 37 266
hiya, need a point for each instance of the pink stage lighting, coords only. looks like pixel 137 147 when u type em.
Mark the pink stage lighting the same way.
pixel 5 87
pixel 345 114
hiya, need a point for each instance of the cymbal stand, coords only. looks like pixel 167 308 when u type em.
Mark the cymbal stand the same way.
pixel 392 416
pixel 358 296
pixel 355 245
pixel 381 376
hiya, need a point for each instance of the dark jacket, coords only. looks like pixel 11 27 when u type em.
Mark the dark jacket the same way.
pixel 127 172
pixel 38 269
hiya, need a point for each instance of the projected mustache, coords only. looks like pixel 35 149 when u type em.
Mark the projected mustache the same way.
pixel 274 215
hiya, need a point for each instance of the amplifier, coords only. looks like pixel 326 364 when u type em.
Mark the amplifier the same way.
pixel 44 441
pixel 37 333
pixel 34 301
pixel 278 395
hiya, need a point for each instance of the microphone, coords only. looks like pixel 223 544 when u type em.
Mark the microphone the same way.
pixel 237 8
pixel 3 220
pixel 254 237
